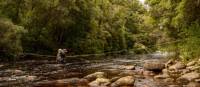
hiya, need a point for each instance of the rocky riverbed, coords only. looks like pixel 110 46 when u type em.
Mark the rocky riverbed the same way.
pixel 126 71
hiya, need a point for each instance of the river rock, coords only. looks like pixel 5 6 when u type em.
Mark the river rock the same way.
pixel 22 78
pixel 169 62
pixel 99 82
pixel 165 71
pixel 124 81
pixel 184 71
pixel 15 72
pixel 71 82
pixel 174 73
pixel 148 73
pixel 127 73
pixel 191 63
pixel 95 75
pixel 188 77
pixel 169 80
pixel 114 79
pixel 174 86
pixel 128 67
pixel 1 66
pixel 153 65
pixel 139 71
pixel 197 80
pixel 177 66
pixel 192 68
pixel 54 66
pixel 163 76
pixel 193 84
pixel 44 83
pixel 30 78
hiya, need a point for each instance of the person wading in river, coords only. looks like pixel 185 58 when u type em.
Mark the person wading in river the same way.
pixel 61 55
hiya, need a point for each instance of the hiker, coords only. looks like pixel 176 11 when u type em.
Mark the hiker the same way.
pixel 61 55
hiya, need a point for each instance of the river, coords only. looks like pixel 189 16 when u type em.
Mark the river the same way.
pixel 13 75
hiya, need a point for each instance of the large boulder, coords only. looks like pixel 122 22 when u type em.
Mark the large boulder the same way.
pixel 154 65
pixel 100 82
pixel 93 76
pixel 177 66
pixel 124 81
pixel 188 77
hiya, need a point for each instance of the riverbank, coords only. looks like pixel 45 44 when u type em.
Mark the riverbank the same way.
pixel 108 71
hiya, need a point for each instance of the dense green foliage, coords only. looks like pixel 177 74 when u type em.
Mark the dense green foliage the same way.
pixel 98 26
pixel 83 26
pixel 10 38
pixel 180 22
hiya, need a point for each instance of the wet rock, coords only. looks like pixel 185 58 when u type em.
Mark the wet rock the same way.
pixel 71 82
pixel 191 63
pixel 30 78
pixel 95 75
pixel 168 63
pixel 1 66
pixel 112 71
pixel 188 77
pixel 154 65
pixel 54 66
pixel 139 71
pixel 174 73
pixel 127 73
pixel 184 71
pixel 192 68
pixel 148 73
pixel 114 79
pixel 44 83
pixel 14 72
pixel 174 86
pixel 20 78
pixel 62 83
pixel 165 71
pixel 128 67
pixel 169 80
pixel 193 84
pixel 124 81
pixel 177 66
pixel 99 82
pixel 197 80
pixel 163 76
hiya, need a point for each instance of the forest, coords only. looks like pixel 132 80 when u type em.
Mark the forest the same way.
pixel 98 26
pixel 135 37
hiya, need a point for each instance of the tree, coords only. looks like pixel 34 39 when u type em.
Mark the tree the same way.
pixel 10 35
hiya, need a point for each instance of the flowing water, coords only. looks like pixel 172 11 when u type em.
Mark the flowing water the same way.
pixel 12 75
